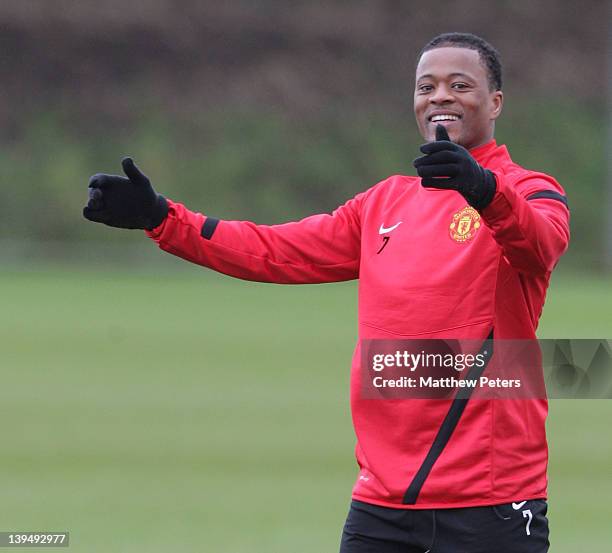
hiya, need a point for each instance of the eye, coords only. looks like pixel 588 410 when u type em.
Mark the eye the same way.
pixel 424 88
pixel 460 86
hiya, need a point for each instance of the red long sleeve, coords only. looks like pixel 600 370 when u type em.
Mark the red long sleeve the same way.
pixel 320 248
pixel 530 221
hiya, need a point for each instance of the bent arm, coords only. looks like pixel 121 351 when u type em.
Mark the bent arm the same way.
pixel 530 222
pixel 320 248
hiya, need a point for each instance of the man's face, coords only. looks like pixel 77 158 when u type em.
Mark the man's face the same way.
pixel 452 89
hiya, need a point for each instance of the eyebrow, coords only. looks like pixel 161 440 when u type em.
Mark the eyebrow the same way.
pixel 456 74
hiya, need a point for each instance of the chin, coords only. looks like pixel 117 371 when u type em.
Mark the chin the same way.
pixel 454 137
pixel 454 134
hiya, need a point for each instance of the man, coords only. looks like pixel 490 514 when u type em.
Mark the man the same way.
pixel 463 251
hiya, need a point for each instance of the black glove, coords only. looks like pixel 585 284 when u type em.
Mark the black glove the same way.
pixel 125 203
pixel 450 166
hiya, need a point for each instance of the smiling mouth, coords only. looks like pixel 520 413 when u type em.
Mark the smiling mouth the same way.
pixel 445 117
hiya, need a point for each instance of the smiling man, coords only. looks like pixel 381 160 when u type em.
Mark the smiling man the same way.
pixel 464 251
pixel 458 88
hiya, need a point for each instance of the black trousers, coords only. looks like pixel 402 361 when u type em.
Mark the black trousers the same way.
pixel 520 527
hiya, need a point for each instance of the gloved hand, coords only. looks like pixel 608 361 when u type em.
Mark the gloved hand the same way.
pixel 450 166
pixel 125 202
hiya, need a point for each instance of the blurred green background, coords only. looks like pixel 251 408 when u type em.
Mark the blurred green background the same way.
pixel 148 405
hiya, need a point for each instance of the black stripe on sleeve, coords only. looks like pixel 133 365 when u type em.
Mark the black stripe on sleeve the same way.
pixel 208 228
pixel 550 195
pixel 448 426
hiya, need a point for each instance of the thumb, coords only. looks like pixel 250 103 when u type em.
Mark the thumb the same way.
pixel 132 172
pixel 442 133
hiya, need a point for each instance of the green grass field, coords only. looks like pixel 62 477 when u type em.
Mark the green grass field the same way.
pixel 187 412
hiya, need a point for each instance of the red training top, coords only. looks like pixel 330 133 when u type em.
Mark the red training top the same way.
pixel 429 266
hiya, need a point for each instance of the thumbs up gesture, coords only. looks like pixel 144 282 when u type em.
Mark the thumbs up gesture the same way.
pixel 450 166
pixel 122 202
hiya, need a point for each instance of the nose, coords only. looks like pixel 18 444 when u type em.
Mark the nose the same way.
pixel 442 95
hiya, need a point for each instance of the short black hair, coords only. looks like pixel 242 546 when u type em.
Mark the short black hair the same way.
pixel 489 56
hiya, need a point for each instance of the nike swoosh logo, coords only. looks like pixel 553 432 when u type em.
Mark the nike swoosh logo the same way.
pixel 517 506
pixel 383 230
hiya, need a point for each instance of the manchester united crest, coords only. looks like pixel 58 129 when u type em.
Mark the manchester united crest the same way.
pixel 465 224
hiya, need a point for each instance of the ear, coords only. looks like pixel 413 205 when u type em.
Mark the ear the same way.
pixel 497 102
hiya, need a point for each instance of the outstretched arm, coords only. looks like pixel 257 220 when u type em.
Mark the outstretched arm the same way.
pixel 320 248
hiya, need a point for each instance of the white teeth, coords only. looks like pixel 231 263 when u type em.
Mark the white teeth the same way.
pixel 444 118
